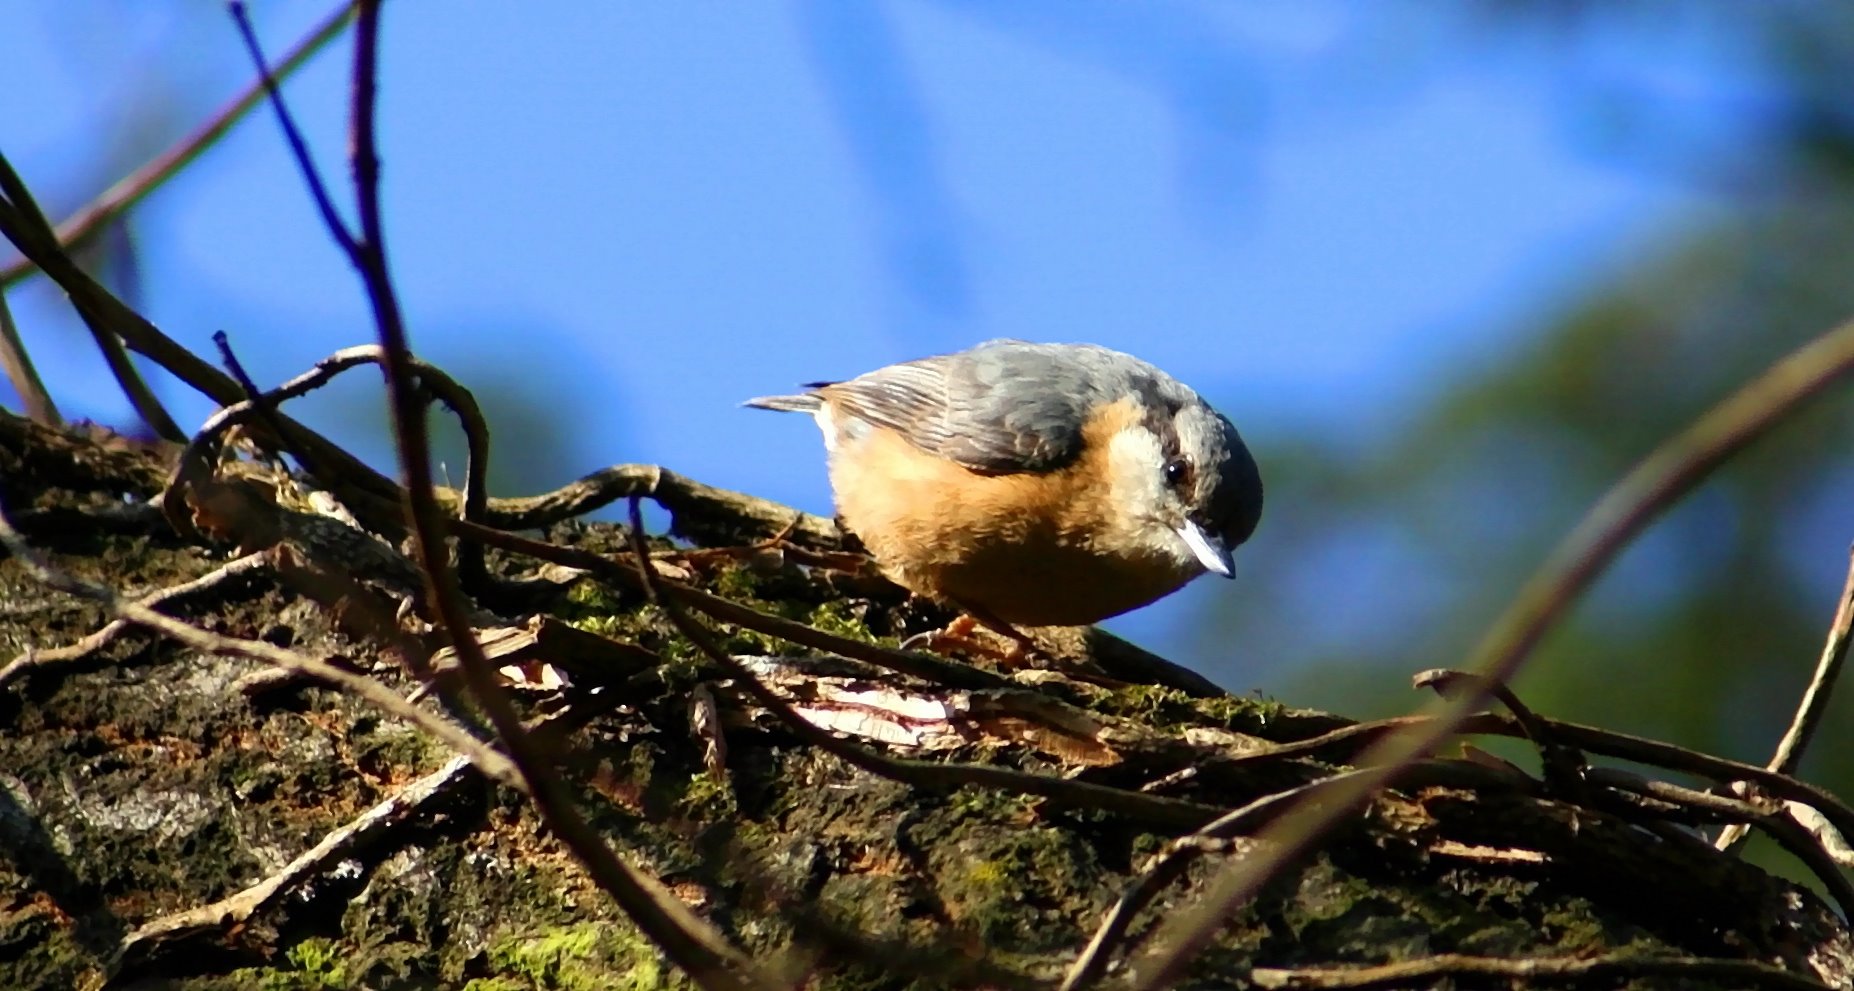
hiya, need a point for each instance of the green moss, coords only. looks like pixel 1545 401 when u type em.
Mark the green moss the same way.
pixel 989 874
pixel 976 802
pixel 1235 712
pixel 1148 845
pixel 378 743
pixel 710 796
pixel 610 627
pixel 1574 930
pixel 589 956
pixel 315 965
pixel 737 583
pixel 1008 886
pixel 840 618
pixel 593 597
pixel 749 642
pixel 1164 708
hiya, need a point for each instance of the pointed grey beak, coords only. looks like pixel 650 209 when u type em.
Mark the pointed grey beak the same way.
pixel 1209 550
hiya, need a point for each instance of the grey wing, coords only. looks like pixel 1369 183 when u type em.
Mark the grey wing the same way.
pixel 1000 408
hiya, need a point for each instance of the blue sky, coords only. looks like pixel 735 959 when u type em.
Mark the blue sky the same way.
pixel 637 215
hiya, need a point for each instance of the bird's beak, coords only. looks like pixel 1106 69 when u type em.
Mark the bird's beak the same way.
pixel 1209 550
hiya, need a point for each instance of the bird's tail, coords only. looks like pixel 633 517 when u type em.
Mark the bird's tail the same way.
pixel 804 402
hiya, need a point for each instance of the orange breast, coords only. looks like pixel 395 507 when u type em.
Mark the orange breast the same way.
pixel 1030 549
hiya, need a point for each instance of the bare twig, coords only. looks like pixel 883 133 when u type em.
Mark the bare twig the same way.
pixel 1815 700
pixel 1788 832
pixel 21 219
pixel 264 410
pixel 1563 765
pixel 131 189
pixel 1168 866
pixel 923 666
pixel 33 659
pixel 1617 967
pixel 689 942
pixel 1814 704
pixel 19 370
pixel 1342 745
pixel 1832 842
pixel 1669 472
pixel 145 403
pixel 1169 812
pixel 196 459
pixel 1667 755
pixel 355 481
pixel 1171 863
pixel 230 912
pixel 299 149
pixel 494 764
pixel 696 509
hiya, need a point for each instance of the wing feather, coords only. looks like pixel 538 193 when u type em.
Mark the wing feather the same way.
pixel 1001 408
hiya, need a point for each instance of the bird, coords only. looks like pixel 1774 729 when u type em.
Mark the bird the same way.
pixel 1032 485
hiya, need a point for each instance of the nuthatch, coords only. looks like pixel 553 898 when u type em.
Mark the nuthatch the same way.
pixel 1034 484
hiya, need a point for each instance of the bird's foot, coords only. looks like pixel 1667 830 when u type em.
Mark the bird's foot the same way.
pixel 963 634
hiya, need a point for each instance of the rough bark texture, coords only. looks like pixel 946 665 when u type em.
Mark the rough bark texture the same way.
pixel 142 779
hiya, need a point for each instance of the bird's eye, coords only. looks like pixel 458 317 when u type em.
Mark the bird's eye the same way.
pixel 1177 472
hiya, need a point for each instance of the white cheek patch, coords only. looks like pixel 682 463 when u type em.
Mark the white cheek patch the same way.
pixel 1134 460
pixel 827 424
pixel 1151 510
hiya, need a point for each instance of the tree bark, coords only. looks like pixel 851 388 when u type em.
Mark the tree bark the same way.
pixel 173 818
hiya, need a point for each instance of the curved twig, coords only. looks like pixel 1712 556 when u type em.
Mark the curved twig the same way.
pixel 21 220
pixel 197 458
pixel 1814 704
pixel 1669 472
pixel 131 189
pixel 1617 967
pixel 19 371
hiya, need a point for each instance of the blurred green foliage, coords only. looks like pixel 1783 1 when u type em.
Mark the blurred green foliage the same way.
pixel 1706 632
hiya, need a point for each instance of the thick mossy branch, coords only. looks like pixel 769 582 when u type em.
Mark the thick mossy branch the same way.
pixel 144 780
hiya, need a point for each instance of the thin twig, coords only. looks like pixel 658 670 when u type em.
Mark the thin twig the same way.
pixel 1669 472
pixel 1168 866
pixel 686 939
pixel 1815 700
pixel 494 764
pixel 354 480
pixel 1617 967
pixel 1563 765
pixel 197 458
pixel 21 218
pixel 230 912
pixel 1814 704
pixel 1171 863
pixel 696 510
pixel 95 216
pixel 32 659
pixel 264 409
pixel 1788 832
pixel 923 666
pixel 1832 842
pixel 141 398
pixel 1342 745
pixel 299 149
pixel 1157 810
pixel 19 370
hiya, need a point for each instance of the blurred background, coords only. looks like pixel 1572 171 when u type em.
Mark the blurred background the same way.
pixel 1452 267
